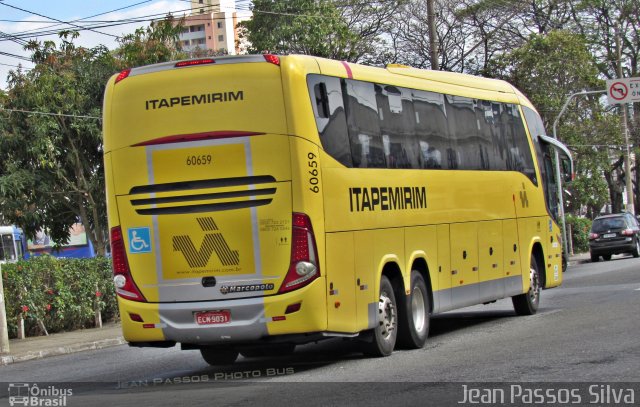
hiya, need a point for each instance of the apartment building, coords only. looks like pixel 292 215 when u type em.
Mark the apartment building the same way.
pixel 211 25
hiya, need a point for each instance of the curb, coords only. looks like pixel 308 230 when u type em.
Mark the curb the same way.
pixel 63 350
pixel 579 261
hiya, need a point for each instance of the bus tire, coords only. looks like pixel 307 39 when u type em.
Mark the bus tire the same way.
pixel 219 356
pixel 383 336
pixel 527 303
pixel 414 311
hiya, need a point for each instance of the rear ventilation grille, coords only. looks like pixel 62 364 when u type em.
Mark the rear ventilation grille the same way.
pixel 161 205
pixel 201 184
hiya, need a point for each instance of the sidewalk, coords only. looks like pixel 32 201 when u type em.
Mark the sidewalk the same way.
pixel 38 347
pixel 579 258
pixel 99 338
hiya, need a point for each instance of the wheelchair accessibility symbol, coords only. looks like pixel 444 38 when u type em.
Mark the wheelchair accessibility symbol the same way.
pixel 139 240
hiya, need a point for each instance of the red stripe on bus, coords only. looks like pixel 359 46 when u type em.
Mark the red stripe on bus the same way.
pixel 182 138
pixel 348 68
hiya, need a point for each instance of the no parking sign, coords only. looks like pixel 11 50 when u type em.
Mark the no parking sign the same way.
pixel 623 90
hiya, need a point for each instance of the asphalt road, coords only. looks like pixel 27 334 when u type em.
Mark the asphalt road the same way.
pixel 585 334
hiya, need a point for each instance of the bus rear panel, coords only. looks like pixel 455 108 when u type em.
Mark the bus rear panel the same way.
pixel 207 248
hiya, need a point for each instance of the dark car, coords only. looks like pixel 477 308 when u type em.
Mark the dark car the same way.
pixel 614 234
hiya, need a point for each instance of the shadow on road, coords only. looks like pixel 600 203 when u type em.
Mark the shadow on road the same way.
pixel 335 350
pixel 454 321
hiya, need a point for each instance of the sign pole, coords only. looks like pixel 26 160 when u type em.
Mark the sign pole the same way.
pixel 627 162
pixel 622 91
pixel 4 331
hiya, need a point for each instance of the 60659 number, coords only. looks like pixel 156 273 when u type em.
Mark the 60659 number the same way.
pixel 204 159
pixel 313 173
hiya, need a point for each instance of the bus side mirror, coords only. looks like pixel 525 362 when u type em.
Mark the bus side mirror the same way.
pixel 566 169
pixel 566 163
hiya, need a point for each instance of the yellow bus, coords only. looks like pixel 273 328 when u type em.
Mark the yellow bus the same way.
pixel 259 202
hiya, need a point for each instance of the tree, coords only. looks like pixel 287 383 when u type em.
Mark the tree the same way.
pixel 350 30
pixel 150 45
pixel 51 175
pixel 539 68
pixel 612 28
pixel 298 27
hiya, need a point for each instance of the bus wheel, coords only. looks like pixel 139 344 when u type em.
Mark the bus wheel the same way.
pixel 414 312
pixel 527 304
pixel 383 336
pixel 219 356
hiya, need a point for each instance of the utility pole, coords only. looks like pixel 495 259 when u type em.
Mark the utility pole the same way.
pixel 433 44
pixel 625 133
pixel 4 331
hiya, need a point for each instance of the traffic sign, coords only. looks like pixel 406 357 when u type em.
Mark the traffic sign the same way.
pixel 623 90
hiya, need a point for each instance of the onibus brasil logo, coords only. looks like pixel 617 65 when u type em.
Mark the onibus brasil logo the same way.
pixel 25 394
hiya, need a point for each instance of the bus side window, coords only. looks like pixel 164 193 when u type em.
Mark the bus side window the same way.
pixel 431 128
pixel 463 133
pixel 363 124
pixel 491 157
pixel 328 108
pixel 397 125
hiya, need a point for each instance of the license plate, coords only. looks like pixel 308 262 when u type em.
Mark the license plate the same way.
pixel 213 317
pixel 608 235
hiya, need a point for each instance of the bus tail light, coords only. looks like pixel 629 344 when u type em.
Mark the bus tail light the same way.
pixel 194 62
pixel 273 59
pixel 122 75
pixel 125 286
pixel 303 268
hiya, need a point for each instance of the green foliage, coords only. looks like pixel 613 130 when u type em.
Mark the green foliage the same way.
pixel 60 292
pixel 51 173
pixel 350 30
pixel 298 27
pixel 580 228
pixel 151 45
pixel 541 70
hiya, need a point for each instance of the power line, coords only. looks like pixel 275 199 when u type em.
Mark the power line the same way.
pixel 55 19
pixel 15 66
pixel 8 54
pixel 111 23
pixel 84 18
pixel 50 114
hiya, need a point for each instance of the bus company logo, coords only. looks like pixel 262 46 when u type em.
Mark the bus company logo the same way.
pixel 387 198
pixel 247 288
pixel 25 394
pixel 189 100
pixel 212 242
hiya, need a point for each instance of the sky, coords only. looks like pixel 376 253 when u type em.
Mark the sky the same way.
pixel 14 21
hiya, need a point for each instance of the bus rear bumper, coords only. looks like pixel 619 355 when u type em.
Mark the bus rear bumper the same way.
pixel 252 320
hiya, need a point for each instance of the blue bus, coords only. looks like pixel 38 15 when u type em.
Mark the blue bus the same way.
pixel 12 244
pixel 16 246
